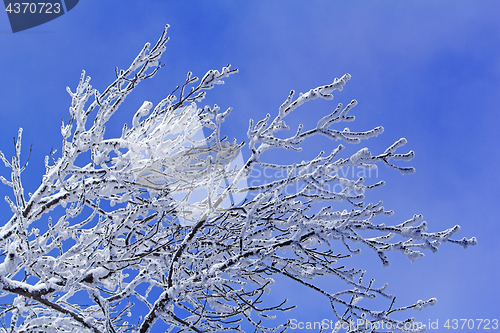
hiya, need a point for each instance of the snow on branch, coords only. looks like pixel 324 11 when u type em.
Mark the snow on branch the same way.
pixel 149 218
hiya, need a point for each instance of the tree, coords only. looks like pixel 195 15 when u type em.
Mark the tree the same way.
pixel 145 223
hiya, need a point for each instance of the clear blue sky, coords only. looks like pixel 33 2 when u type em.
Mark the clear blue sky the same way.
pixel 425 70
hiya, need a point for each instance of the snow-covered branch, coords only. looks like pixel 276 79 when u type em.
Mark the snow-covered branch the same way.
pixel 147 218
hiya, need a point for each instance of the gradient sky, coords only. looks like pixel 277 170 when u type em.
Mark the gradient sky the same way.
pixel 425 70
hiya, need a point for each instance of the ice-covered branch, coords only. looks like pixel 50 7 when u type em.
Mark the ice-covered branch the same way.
pixel 149 217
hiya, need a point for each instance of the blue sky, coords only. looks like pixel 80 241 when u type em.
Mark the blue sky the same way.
pixel 425 70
